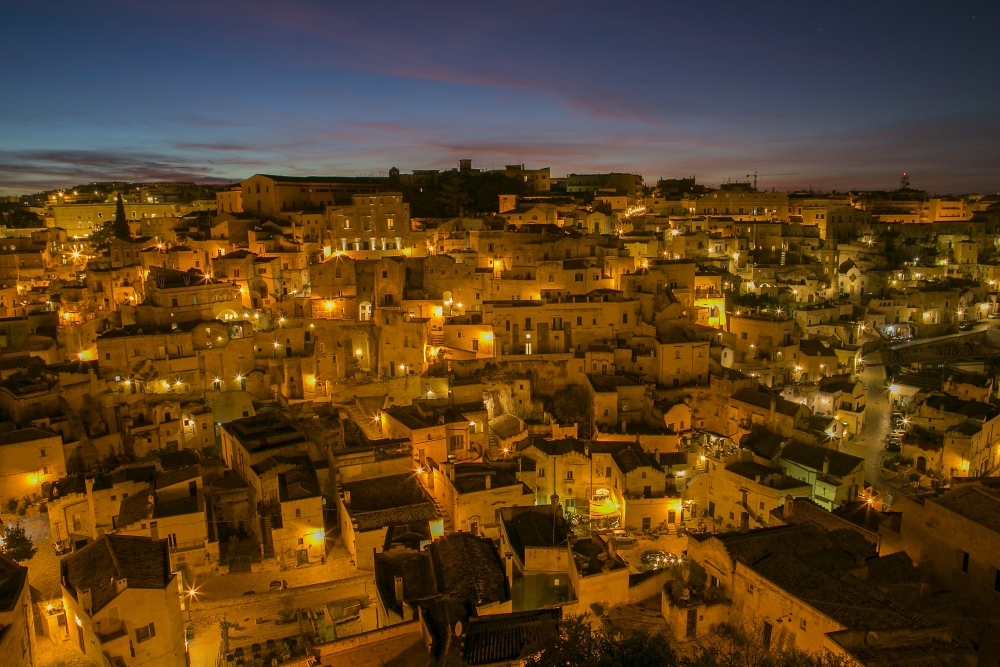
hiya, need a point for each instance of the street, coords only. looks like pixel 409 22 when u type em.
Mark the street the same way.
pixel 870 443
pixel 257 615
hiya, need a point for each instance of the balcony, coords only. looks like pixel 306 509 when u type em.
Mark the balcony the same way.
pixel 108 631
pixel 183 547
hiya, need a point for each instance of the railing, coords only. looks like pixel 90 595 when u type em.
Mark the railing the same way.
pixel 187 546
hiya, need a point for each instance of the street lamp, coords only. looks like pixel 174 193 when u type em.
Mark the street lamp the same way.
pixel 192 595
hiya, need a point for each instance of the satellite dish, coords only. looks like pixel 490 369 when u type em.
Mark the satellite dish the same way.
pixel 458 629
pixel 871 639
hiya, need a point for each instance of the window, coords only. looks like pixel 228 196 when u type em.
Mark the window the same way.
pixel 41 453
pixel 647 523
pixel 624 318
pixel 475 345
pixel 607 471
pixel 298 512
pixel 578 278
pixel 45 470
pixel 541 472
pixel 579 321
pixel 145 632
pixel 569 475
pixel 743 335
pixel 964 558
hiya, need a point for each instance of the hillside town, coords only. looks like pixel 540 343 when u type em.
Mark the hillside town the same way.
pixel 430 418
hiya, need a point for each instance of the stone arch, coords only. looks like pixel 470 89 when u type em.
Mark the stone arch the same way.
pixel 365 311
pixel 921 464
pixel 227 314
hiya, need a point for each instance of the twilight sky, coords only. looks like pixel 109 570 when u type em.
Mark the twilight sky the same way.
pixel 832 95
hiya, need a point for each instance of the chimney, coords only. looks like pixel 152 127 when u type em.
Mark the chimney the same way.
pixel 826 465
pixel 398 582
pixel 347 497
pixel 508 564
pixel 86 601
pixel 745 522
pixel 789 507
pixel 489 481
pixel 451 471
pixel 774 407
pixel 612 549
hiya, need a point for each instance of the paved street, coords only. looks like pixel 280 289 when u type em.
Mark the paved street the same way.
pixel 870 443
pixel 257 614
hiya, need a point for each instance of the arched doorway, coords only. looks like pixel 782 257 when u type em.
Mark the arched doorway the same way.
pixel 921 464
pixel 365 311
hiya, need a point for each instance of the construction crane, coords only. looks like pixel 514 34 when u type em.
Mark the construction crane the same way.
pixel 755 175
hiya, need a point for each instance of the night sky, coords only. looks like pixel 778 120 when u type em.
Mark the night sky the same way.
pixel 833 95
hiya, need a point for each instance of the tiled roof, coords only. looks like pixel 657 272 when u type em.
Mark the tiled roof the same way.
pixel 179 459
pixel 927 654
pixel 506 426
pixel 805 510
pixel 972 409
pixel 631 458
pixel 141 561
pixel 610 383
pixel 501 638
pixel 673 458
pixel 533 527
pixel 26 435
pixel 177 476
pixel 894 570
pixel 470 568
pixel 553 447
pixel 842 597
pixel 417 573
pixel 974 503
pixel 13 578
pixel 764 443
pixel 135 508
pixel 814 347
pixel 831 549
pixel 763 401
pixel 297 484
pixel 383 501
pixel 813 456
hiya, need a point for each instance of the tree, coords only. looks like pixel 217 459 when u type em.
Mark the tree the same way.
pixel 572 404
pixel 121 228
pixel 728 646
pixel 17 545
pixel 578 643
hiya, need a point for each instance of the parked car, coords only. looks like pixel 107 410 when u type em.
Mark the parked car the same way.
pixel 275 585
pixel 657 558
pixel 652 557
pixel 621 536
pixel 893 447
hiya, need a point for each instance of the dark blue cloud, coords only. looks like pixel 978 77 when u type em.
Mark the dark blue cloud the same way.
pixel 843 95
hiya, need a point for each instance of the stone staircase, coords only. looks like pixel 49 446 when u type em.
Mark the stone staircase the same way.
pixel 268 541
